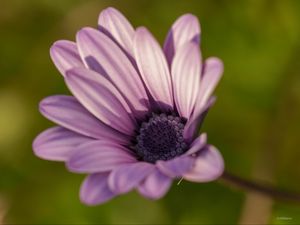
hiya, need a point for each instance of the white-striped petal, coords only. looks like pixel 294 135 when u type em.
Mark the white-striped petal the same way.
pixel 99 156
pixel 69 113
pixel 101 54
pixel 185 29
pixel 101 98
pixel 153 67
pixel 186 74
pixel 65 56
pixel 113 22
pixel 58 143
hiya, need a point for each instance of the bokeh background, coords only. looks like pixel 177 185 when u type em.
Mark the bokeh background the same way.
pixel 255 122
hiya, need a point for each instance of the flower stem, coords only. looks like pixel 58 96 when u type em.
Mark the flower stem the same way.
pixel 260 188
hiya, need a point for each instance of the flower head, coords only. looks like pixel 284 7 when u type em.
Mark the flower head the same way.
pixel 133 119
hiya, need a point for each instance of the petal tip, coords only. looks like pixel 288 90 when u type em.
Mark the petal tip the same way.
pixel 85 199
pixel 216 62
pixel 72 166
pixel 94 190
pixel 35 146
pixel 189 18
pixel 209 166
pixel 141 30
pixel 83 33
pixel 43 104
pixel 110 10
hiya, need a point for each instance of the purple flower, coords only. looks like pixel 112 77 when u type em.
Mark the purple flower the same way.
pixel 136 109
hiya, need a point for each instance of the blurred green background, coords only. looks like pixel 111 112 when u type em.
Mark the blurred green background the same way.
pixel 255 122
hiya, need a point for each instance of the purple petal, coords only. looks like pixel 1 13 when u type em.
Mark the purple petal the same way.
pixel 126 177
pixel 155 185
pixel 113 23
pixel 65 56
pixel 94 189
pixel 209 166
pixel 186 72
pixel 196 119
pixel 57 143
pixel 185 29
pixel 98 49
pixel 101 98
pixel 99 156
pixel 213 70
pixel 69 113
pixel 153 67
pixel 176 167
pixel 197 144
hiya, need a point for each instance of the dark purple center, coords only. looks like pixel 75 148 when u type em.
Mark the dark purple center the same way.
pixel 160 138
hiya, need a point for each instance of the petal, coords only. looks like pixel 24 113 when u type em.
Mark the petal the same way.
pixel 185 29
pixel 197 144
pixel 115 25
pixel 209 166
pixel 99 51
pixel 57 143
pixel 155 185
pixel 186 72
pixel 153 67
pixel 65 56
pixel 101 98
pixel 213 70
pixel 69 113
pixel 196 120
pixel 176 167
pixel 126 177
pixel 99 156
pixel 94 189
